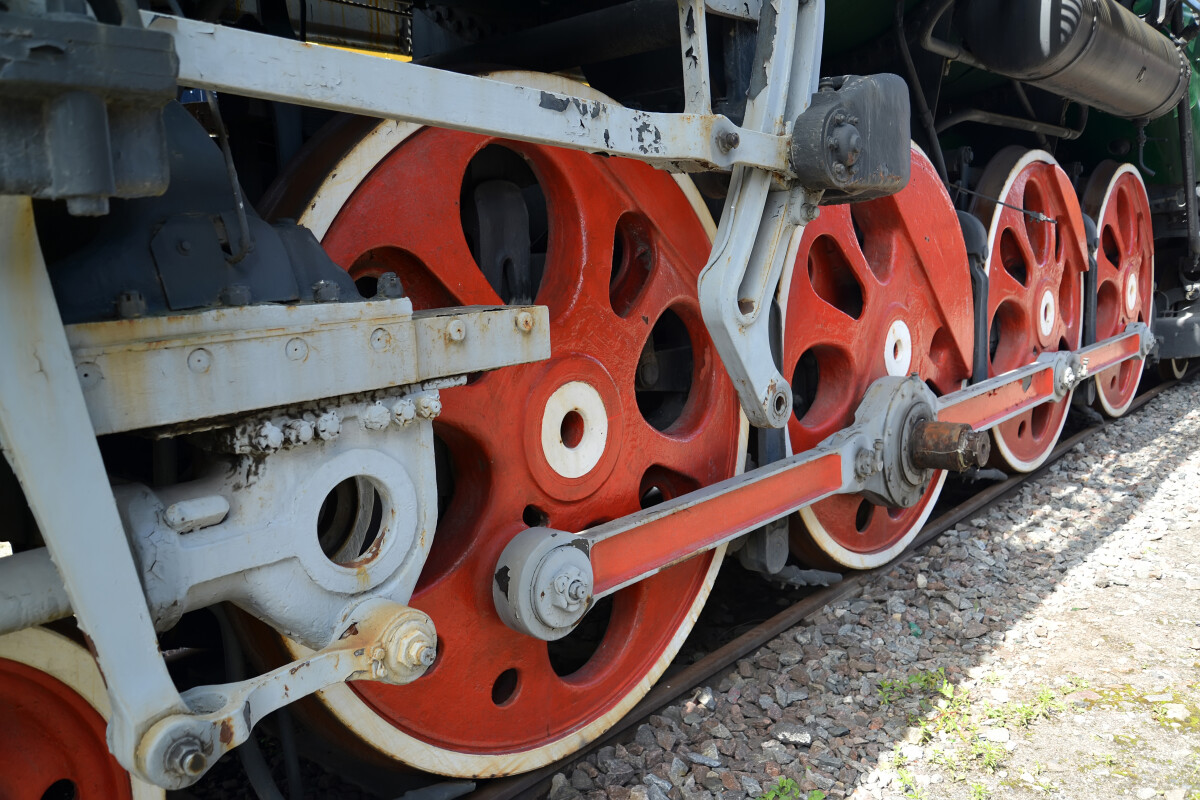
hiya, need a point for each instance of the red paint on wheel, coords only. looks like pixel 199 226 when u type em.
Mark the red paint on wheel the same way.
pixel 1031 260
pixel 1125 271
pixel 860 269
pixel 493 690
pixel 50 735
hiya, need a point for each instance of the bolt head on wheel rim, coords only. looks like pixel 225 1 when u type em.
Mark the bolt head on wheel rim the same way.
pixel 632 407
pixel 869 296
pixel 1116 198
pixel 1035 286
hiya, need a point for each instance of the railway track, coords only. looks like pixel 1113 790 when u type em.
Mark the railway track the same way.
pixel 677 683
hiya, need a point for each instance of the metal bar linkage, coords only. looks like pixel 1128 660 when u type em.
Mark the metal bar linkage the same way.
pixel 249 64
pixel 877 456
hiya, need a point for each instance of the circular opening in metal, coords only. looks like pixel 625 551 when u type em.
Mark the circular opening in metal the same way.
pixel 780 403
pixel 505 687
pixel 862 518
pixel 665 372
pixel 571 429
pixel 503 213
pixel 534 517
pixel 62 789
pixel 571 653
pixel 350 522
pixel 632 262
pixel 805 379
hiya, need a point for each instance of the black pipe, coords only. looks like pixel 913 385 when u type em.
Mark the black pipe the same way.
pixel 1187 137
pixel 1006 121
pixel 975 236
pixel 918 91
pixel 1096 52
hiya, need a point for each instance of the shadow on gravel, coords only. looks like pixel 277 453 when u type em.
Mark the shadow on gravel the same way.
pixel 821 703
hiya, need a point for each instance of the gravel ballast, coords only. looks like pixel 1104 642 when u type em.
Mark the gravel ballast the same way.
pixel 1048 647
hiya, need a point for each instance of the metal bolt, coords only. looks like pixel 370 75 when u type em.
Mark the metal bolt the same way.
pixel 429 405
pixel 524 321
pixel 456 330
pixel 131 304
pixel 184 246
pixel 411 648
pixel 376 417
pixel 404 411
pixel 199 360
pixel 864 464
pixel 267 438
pixel 389 286
pixel 568 589
pixel 187 757
pixel 326 292
pixel 296 349
pixel 380 339
pixel 298 431
pixel 329 425
pixel 89 374
pixel 577 591
pixel 1069 379
pixel 809 213
pixel 728 140
pixel 235 294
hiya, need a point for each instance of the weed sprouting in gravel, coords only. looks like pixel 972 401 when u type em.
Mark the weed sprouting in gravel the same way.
pixel 788 789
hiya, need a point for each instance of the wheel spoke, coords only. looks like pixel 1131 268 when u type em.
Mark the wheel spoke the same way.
pixel 870 296
pixel 568 442
pixel 1034 286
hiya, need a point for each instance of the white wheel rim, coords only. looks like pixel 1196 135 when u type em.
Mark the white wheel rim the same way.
pixel 1131 288
pixel 820 536
pixel 350 710
pixel 1031 157
pixel 66 661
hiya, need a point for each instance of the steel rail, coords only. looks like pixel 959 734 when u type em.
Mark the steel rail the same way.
pixel 673 686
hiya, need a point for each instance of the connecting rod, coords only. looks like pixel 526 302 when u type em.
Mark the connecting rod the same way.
pixel 546 580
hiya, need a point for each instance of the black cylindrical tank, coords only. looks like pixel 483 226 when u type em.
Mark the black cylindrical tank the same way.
pixel 1093 51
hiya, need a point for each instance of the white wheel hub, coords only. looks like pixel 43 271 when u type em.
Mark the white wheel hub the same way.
pixel 1046 314
pixel 1131 294
pixel 574 429
pixel 897 349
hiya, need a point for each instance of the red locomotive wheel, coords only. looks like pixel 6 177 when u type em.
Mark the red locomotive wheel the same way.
pixel 52 701
pixel 1035 286
pixel 1116 198
pixel 878 288
pixel 633 406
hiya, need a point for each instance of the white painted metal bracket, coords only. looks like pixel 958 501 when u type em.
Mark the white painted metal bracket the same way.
pixel 49 441
pixel 155 371
pixel 272 68
pixel 742 275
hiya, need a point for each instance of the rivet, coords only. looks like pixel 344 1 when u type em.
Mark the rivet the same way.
pixel 380 339
pixel 199 360
pixel 296 349
pixel 524 321
pixel 456 330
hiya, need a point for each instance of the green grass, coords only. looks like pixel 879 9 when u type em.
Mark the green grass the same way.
pixel 788 789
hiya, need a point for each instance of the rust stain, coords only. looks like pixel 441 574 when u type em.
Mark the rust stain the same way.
pixel 226 731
